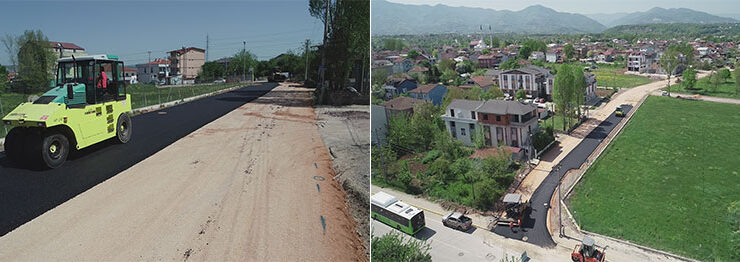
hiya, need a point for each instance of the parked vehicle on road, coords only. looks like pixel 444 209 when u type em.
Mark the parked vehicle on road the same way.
pixel 399 215
pixel 619 112
pixel 88 105
pixel 457 221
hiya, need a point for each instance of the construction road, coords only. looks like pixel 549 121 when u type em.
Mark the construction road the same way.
pixel 238 176
pixel 535 229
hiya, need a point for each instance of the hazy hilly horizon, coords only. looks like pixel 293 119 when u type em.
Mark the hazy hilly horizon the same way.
pixel 391 18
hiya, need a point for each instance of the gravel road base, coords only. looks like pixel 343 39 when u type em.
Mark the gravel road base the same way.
pixel 346 133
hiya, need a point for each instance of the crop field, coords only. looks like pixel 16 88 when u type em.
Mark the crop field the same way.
pixel 670 181
pixel 142 95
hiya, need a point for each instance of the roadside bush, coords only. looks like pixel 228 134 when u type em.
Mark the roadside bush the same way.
pixel 542 139
pixel 487 192
pixel 431 156
pixel 440 168
pixel 392 247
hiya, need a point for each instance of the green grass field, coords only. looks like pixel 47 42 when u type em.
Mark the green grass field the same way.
pixel 668 180
pixel 611 76
pixel 141 95
pixel 557 120
pixel 703 87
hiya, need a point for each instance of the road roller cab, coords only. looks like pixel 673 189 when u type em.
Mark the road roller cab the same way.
pixel 88 105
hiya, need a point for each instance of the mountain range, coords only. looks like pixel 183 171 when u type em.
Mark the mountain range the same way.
pixel 395 19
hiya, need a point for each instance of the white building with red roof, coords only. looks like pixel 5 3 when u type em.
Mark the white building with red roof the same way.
pixel 63 49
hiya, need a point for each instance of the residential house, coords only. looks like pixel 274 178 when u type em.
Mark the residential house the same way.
pixel 604 57
pixel 489 60
pixel 482 81
pixel 535 81
pixel 640 61
pixel 157 71
pixel 129 75
pixel 400 105
pixel 419 69
pixel 432 92
pixel 402 65
pixel 537 55
pixel 553 56
pixel 478 45
pixel 186 63
pixel 398 86
pixel 503 123
pixel 62 49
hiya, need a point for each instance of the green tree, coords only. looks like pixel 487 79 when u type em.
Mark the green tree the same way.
pixel 392 247
pixel 400 133
pixel 524 52
pixel 449 76
pixel 724 74
pixel 669 60
pixel 3 78
pixel 445 64
pixel 240 63
pixel 520 94
pixel 393 44
pixel 579 89
pixel 478 139
pixel 382 158
pixel 689 78
pixel 495 42
pixel 485 51
pixel 413 54
pixel 425 122
pixel 562 92
pixel 569 51
pixel 737 78
pixel 715 80
pixel 492 93
pixel 211 70
pixel 36 61
pixel 509 64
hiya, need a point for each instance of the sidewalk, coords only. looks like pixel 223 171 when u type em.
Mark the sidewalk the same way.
pixel 702 97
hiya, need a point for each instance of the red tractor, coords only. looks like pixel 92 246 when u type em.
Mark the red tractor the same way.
pixel 587 252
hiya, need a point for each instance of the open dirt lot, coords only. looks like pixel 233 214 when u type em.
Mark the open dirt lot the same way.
pixel 346 133
pixel 255 184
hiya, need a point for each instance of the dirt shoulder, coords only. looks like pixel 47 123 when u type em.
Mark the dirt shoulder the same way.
pixel 255 184
pixel 346 133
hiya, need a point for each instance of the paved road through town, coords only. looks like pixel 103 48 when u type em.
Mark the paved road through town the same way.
pixel 534 229
pixel 452 245
pixel 25 194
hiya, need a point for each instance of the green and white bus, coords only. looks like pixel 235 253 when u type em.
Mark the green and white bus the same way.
pixel 399 215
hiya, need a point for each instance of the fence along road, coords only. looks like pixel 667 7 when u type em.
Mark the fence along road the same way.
pixel 26 194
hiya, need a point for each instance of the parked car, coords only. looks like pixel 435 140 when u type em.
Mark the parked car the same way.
pixel 219 81
pixel 664 93
pixel 457 221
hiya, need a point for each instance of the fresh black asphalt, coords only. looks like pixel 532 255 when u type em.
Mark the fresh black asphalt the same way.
pixel 25 194
pixel 535 225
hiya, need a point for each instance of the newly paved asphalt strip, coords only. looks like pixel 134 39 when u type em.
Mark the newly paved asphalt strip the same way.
pixel 535 226
pixel 26 193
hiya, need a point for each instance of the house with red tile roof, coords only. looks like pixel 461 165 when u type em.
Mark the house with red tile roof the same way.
pixel 63 49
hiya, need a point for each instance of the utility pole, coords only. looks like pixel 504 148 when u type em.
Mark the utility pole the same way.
pixel 322 70
pixel 244 55
pixel 207 47
pixel 305 53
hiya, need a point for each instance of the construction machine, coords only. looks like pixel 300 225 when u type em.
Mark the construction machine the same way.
pixel 515 210
pixel 587 252
pixel 87 105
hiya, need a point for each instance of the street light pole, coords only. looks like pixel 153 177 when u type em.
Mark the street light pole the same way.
pixel 560 203
pixel 244 55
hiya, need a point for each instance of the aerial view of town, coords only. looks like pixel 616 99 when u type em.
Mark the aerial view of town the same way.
pixel 555 131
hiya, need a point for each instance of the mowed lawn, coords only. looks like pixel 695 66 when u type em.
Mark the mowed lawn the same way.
pixel 668 179
pixel 612 76
pixel 704 87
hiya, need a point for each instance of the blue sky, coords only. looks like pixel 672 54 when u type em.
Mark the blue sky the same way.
pixel 130 29
pixel 593 6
